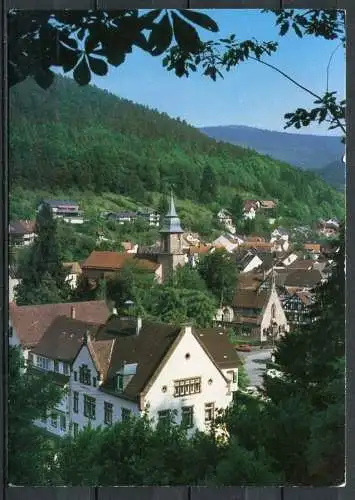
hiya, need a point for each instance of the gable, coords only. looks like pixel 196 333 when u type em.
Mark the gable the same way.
pixel 188 360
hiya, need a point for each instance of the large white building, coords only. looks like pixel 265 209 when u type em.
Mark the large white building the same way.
pixel 129 366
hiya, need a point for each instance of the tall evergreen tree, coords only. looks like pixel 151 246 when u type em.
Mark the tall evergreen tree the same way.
pixel 42 269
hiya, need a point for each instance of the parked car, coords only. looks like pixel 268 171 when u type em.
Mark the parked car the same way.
pixel 243 348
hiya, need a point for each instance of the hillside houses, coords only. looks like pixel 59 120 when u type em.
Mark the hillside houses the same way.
pixel 66 210
pixel 329 228
pixel 21 233
pixel 225 218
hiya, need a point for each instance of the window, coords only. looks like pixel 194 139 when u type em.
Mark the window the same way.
pixel 209 412
pixel 11 330
pixel 75 429
pixel 42 363
pixel 94 381
pixel 75 402
pixel 54 422
pixel 84 375
pixel 30 359
pixel 108 413
pixel 125 414
pixel 233 376
pixel 56 366
pixel 120 382
pixel 187 386
pixel 273 311
pixel 65 368
pixel 187 416
pixel 163 416
pixel 75 376
pixel 63 422
pixel 89 407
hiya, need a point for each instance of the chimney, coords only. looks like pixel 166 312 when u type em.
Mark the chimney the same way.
pixel 72 312
pixel 139 325
pixel 187 328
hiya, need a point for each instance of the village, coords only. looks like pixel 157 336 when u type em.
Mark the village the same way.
pixel 115 365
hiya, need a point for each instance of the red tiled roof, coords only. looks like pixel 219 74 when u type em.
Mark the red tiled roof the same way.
pixel 114 261
pixel 30 322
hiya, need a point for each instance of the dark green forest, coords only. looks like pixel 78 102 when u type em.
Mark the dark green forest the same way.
pixel 89 140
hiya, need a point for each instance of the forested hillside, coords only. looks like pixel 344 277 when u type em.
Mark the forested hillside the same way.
pixel 86 139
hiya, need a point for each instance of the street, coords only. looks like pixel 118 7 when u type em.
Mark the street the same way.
pixel 255 364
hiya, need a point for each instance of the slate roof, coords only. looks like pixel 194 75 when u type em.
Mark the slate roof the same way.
pixel 61 203
pixel 116 344
pixel 303 279
pixel 217 344
pixel 64 338
pixel 21 227
pixel 146 349
pixel 250 299
pixel 304 264
pixel 30 322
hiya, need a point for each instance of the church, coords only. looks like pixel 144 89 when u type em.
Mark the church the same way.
pixel 160 260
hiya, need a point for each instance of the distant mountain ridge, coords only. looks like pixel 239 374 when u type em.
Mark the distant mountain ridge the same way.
pixel 308 152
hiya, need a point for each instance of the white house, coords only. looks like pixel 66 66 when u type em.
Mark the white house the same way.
pixel 22 232
pixel 73 272
pixel 256 313
pixel 228 243
pixel 225 218
pixel 68 211
pixel 130 366
pixel 56 352
pixel 250 208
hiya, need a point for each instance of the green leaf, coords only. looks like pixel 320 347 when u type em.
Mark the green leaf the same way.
pixel 200 19
pixel 68 58
pixel 284 29
pixel 70 42
pixel 44 78
pixel 148 19
pixel 185 35
pixel 297 30
pixel 161 36
pixel 90 44
pixel 82 73
pixel 98 66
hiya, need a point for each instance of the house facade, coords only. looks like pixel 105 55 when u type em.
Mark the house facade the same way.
pixel 22 233
pixel 150 216
pixel 131 367
pixel 297 307
pixel 68 211
pixel 255 313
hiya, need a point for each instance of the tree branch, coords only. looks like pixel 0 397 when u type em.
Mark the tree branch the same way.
pixel 285 75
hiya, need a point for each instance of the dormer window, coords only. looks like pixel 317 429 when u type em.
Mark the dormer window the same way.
pixel 119 382
pixel 84 375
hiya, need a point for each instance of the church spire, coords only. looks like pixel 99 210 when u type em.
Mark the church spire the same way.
pixel 171 223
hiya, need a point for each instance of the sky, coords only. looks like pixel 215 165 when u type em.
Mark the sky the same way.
pixel 251 94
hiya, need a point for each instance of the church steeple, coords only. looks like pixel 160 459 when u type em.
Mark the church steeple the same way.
pixel 171 223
